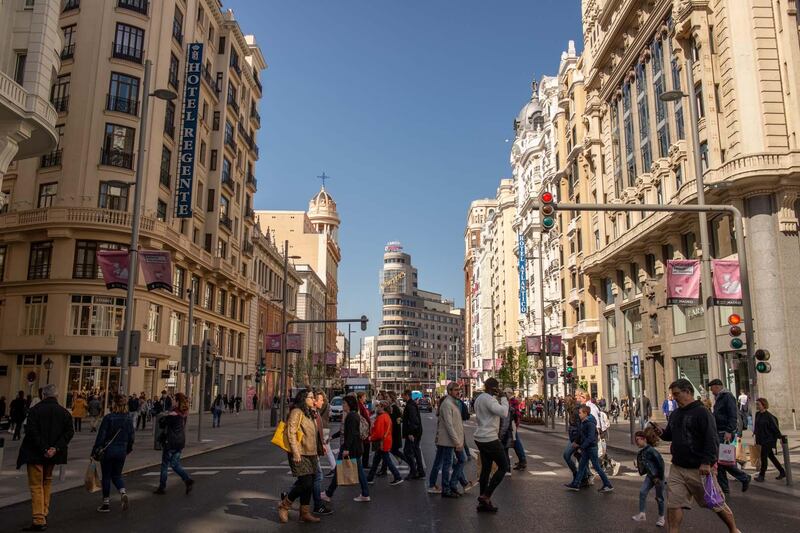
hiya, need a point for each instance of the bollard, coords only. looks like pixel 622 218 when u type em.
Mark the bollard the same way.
pixel 787 460
pixel 61 472
pixel 2 451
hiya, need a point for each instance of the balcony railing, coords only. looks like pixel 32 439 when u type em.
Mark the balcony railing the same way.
pixel 248 139
pixel 237 68
pixel 69 5
pixel 209 79
pixel 258 82
pixel 230 142
pixel 68 52
pixel 122 105
pixel 53 159
pixel 255 116
pixel 250 213
pixel 116 158
pixel 61 104
pixel 251 181
pixel 128 53
pixel 140 6
pixel 225 220
pixel 247 248
pixel 228 181
pixel 233 104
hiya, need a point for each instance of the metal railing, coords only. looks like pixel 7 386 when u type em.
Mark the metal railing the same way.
pixel 68 52
pixel 116 158
pixel 227 180
pixel 128 53
pixel 61 104
pixel 69 5
pixel 140 6
pixel 122 105
pixel 225 220
pixel 53 159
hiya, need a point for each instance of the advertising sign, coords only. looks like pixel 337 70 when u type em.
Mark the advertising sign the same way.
pixel 191 97
pixel 157 269
pixel 554 344
pixel 727 282
pixel 523 276
pixel 683 282
pixel 273 343
pixel 115 266
pixel 533 344
pixel 330 358
pixel 294 342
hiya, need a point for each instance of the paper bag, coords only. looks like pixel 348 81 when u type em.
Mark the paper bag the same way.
pixel 91 480
pixel 346 472
pixel 727 454
pixel 755 456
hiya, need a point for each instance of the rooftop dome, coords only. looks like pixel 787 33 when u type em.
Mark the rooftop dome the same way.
pixel 322 201
pixel 525 119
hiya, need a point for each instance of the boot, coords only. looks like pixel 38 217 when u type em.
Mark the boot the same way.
pixel 283 510
pixel 305 514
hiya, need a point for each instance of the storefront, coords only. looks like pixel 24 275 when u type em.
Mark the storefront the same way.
pixel 88 374
pixel 695 369
pixel 613 382
pixel 736 375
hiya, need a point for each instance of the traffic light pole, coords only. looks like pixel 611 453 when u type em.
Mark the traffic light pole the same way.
pixel 544 331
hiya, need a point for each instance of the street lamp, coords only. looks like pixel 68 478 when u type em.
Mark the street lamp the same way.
pixel 284 295
pixel 130 304
pixel 48 365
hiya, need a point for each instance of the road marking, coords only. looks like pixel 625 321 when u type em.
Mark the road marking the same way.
pixel 548 473
pixel 232 467
pixel 631 474
pixel 532 456
pixel 552 464
pixel 251 472
pixel 206 472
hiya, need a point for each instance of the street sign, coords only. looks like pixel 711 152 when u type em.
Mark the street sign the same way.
pixel 551 376
pixel 636 369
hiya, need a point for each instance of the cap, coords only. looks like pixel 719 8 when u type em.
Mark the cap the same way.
pixel 716 382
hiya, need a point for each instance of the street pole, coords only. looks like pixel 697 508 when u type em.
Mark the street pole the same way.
pixel 494 348
pixel 349 332
pixel 544 346
pixel 201 388
pixel 190 343
pixel 629 386
pixel 133 267
pixel 284 363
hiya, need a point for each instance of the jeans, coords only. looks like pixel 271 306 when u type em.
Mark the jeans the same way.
pixel 648 484
pixel 362 479
pixel 587 455
pixel 735 471
pixel 437 465
pixel 520 450
pixel 317 487
pixel 379 456
pixel 569 451
pixel 768 452
pixel 171 458
pixel 216 415
pixel 141 418
pixel 397 453
pixel 450 480
pixel 414 456
pixel 112 473
pixel 40 478
pixel 492 452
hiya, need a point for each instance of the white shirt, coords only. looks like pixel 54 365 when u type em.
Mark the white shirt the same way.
pixel 594 410
pixel 742 400
pixel 488 412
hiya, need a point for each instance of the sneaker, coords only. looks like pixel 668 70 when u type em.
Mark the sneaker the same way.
pixel 641 517
pixel 370 482
pixel 781 476
pixel 434 490
pixel 746 483
pixel 508 473
pixel 159 490
pixel 396 481
pixel 615 466
pixel 324 497
pixel 573 488
pixel 486 506
pixel 105 508
pixel 124 498
pixel 323 510
pixel 521 466
pixel 189 485
pixel 760 479
pixel 361 499
pixel 661 521
pixel 606 488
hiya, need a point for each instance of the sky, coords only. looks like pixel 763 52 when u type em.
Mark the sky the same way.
pixel 409 106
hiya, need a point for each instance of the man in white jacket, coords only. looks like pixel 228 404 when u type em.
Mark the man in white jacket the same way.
pixel 488 411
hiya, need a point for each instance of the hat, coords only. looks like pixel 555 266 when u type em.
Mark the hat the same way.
pixel 715 382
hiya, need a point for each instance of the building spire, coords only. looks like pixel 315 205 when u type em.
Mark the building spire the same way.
pixel 324 177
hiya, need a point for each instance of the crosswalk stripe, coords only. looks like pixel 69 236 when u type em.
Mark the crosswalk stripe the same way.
pixel 533 456
pixel 550 463
pixel 251 472
pixel 545 473
pixel 206 472
pixel 631 474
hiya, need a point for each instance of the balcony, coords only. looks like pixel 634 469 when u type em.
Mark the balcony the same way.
pixel 258 82
pixel 230 142
pixel 140 6
pixel 227 181
pixel 69 5
pixel 251 181
pixel 237 68
pixel 250 213
pixel 573 298
pixel 572 226
pixel 572 261
pixel 225 220
pixel 255 116
pixel 248 139
pixel 209 79
pixel 61 104
pixel 68 52
pixel 53 159
pixel 247 248
pixel 116 158
pixel 588 327
pixel 233 104
pixel 122 105
pixel 128 53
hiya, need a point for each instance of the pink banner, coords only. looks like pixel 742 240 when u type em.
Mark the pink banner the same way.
pixel 533 344
pixel 330 358
pixel 294 342
pixel 273 343
pixel 115 266
pixel 683 282
pixel 157 269
pixel 316 358
pixel 727 282
pixel 554 344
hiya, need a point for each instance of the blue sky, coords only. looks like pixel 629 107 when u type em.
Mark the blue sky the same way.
pixel 408 105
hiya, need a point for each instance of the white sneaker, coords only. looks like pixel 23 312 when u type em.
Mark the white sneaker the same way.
pixel 469 486
pixel 361 499
pixel 641 517
pixel 324 497
pixel 434 490
pixel 508 473
pixel 615 466
pixel 660 522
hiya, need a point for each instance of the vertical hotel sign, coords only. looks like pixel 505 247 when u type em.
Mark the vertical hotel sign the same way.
pixel 191 96
pixel 523 276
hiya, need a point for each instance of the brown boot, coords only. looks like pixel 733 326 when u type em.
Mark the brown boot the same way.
pixel 305 514
pixel 283 510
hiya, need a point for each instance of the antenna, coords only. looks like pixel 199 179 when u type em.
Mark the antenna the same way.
pixel 324 177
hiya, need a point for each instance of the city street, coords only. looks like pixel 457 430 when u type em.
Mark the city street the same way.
pixel 238 487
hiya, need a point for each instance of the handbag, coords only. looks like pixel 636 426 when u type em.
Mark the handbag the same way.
pixel 711 496
pixel 741 456
pixel 91 480
pixel 281 436
pixel 755 455
pixel 346 472
pixel 98 455
pixel 727 454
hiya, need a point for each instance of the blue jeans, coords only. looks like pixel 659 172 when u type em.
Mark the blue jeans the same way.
pixel 216 415
pixel 587 455
pixel 648 484
pixel 362 478
pixel 386 457
pixel 450 479
pixel 569 451
pixel 112 472
pixel 171 458
pixel 520 450
pixel 437 465
pixel 317 487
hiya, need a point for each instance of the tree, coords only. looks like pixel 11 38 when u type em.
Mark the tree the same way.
pixel 509 372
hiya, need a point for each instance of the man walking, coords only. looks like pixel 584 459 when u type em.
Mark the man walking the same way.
pixel 412 432
pixel 694 441
pixel 668 406
pixel 488 411
pixel 47 435
pixel 450 440
pixel 17 410
pixel 726 416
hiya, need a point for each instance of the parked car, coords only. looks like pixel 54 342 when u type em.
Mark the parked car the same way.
pixel 336 409
pixel 425 404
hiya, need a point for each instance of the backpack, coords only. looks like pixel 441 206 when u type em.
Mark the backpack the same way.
pixel 363 427
pixel 602 424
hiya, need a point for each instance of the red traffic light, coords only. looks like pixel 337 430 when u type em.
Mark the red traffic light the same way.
pixel 734 320
pixel 546 197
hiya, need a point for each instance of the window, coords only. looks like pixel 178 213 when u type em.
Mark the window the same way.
pixel 129 43
pixel 662 125
pixel 222 248
pixel 215 121
pixel 688 242
pixel 134 5
pixel 169 120
pixel 235 60
pixel 211 195
pixel 59 94
pixel 688 319
pixel 123 94
pixel 678 178
pixel 221 47
pixel 69 41
pixel 118 146
pixel 615 149
pixel 196 289
pixel 650 265
pixel 202 154
pixel 226 170
pixel 35 315
pixel 678 105
pixel 177 26
pixel 630 150
pixel 208 297
pixel 611 330
pixel 96 316
pixel 178 281
pixel 161 211
pixel 229 134
pixel 175 328
pixel 214 157
pixel 19 67
pixel 113 195
pixel 234 302
pixel 154 323
pixel 166 164
pixel 659 193
pixel 704 155
pixel 635 281
pixel 47 195
pixel 608 291
pixel 3 252
pixel 633 324
pixel 698 94
pixel 222 301
pixel 198 201
pixel 233 96
pixel 85 265
pixel 39 260
pixel 643 110
pixel 173 70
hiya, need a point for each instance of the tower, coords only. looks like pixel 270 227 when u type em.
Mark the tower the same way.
pixel 323 215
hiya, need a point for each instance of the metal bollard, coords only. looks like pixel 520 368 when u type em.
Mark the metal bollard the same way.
pixel 787 460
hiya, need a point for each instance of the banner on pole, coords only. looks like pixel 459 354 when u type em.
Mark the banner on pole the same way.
pixel 115 266
pixel 727 282
pixel 683 282
pixel 294 342
pixel 523 276
pixel 191 97
pixel 554 344
pixel 273 343
pixel 533 344
pixel 157 269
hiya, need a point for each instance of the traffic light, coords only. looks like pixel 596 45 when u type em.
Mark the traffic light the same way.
pixel 735 331
pixel 547 210
pixel 364 321
pixel 762 356
pixel 570 369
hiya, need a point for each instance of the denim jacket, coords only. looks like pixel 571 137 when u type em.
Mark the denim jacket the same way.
pixel 118 446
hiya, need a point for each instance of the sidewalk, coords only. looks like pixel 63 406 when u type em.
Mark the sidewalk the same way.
pixel 235 429
pixel 619 440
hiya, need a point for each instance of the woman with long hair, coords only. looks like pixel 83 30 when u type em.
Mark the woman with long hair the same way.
pixel 173 440
pixel 112 445
pixel 305 446
pixel 767 432
pixel 350 447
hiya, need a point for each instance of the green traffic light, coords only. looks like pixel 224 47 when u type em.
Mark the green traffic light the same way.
pixel 736 343
pixel 548 222
pixel 763 367
pixel 570 370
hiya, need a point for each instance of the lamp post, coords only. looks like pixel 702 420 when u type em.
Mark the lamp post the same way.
pixel 286 258
pixel 48 365
pixel 130 304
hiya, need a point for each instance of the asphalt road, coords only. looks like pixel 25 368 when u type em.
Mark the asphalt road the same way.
pixel 238 487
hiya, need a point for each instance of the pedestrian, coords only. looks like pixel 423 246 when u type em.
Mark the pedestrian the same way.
pixel 95 410
pixel 615 410
pixel 450 440
pixel 412 433
pixel 743 402
pixel 650 465
pixel 507 429
pixel 305 446
pixel 133 406
pixel 643 408
pixel 767 433
pixel 112 445
pixel 515 409
pixel 396 415
pixel 363 410
pixel 141 415
pixel 163 404
pixel 238 403
pixel 588 447
pixel 48 432
pixel 490 407
pixel 726 417
pixel 78 411
pixel 350 445
pixel 694 445
pixel 381 439
pixel 321 419
pixel 17 411
pixel 216 411
pixel 173 440
pixel 255 402
pixel 668 406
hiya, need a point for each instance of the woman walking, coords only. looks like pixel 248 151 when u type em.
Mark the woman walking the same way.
pixel 113 444
pixel 305 445
pixel 767 432
pixel 78 411
pixel 216 411
pixel 381 439
pixel 173 440
pixel 351 448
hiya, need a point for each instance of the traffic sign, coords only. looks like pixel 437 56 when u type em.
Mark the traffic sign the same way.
pixel 551 376
pixel 635 368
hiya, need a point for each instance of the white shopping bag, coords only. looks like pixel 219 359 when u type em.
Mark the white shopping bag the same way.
pixel 727 454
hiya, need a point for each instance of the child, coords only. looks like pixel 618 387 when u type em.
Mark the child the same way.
pixel 651 465
pixel 588 447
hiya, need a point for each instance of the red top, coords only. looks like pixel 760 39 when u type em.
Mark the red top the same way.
pixel 382 430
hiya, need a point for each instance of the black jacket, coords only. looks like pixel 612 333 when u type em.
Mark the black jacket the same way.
pixel 412 422
pixel 351 441
pixel 650 463
pixel 726 414
pixel 693 434
pixel 17 410
pixel 588 433
pixel 397 429
pixel 116 435
pixel 766 429
pixel 49 426
pixel 174 436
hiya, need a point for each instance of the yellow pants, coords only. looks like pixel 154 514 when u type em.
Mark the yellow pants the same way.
pixel 40 477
